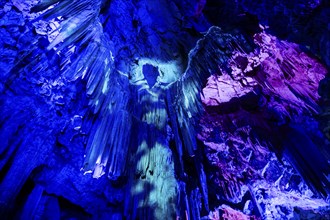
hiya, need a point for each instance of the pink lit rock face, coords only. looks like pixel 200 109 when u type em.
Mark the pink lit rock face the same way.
pixel 225 212
pixel 280 68
pixel 289 72
pixel 271 87
pixel 221 89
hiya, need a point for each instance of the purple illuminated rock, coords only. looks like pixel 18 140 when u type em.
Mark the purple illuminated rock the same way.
pixel 267 89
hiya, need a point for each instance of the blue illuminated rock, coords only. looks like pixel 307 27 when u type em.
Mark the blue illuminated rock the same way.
pixel 164 109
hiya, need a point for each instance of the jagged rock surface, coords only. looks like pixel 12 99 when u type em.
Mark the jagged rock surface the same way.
pixel 190 108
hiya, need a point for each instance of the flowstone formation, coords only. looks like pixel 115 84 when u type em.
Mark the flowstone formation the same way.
pixel 164 109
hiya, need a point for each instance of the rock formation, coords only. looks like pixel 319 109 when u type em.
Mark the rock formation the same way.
pixel 164 109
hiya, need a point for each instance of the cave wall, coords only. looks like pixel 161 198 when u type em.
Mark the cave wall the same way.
pixel 163 110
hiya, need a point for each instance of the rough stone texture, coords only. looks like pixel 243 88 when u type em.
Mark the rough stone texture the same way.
pixel 245 121
pixel 224 126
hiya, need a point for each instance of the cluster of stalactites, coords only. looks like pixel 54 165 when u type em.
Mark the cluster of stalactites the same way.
pixel 109 130
pixel 108 145
pixel 210 56
pixel 81 23
pixel 109 98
